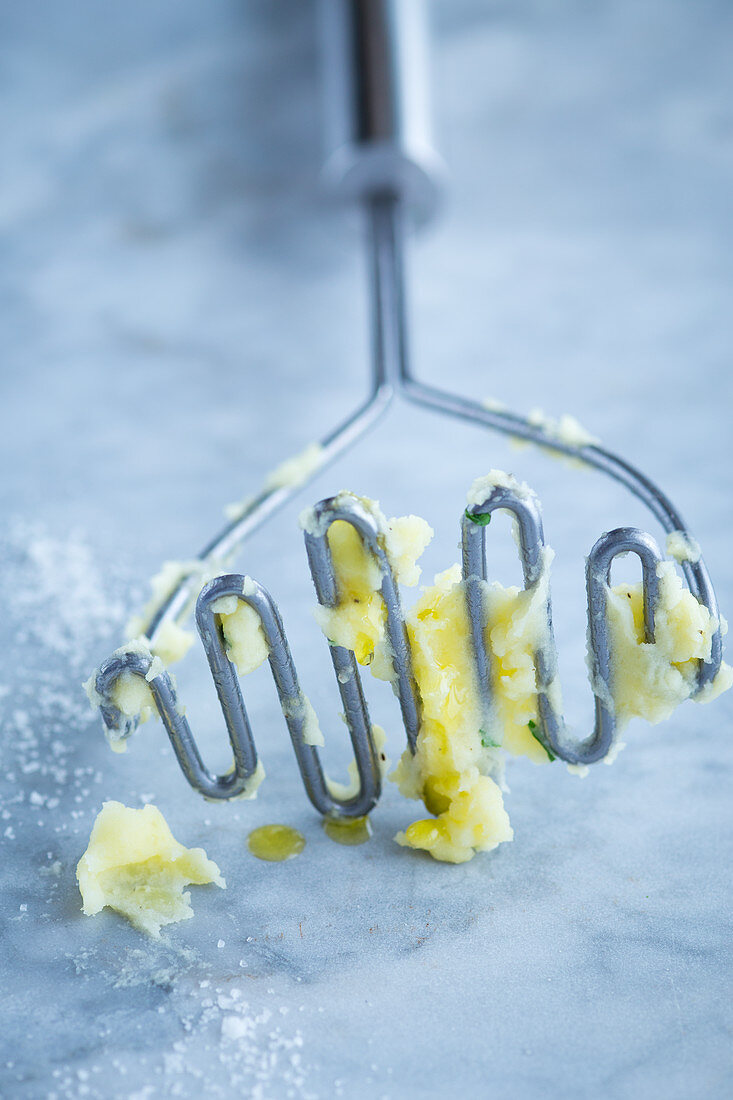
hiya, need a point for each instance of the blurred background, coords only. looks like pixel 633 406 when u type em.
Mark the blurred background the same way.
pixel 182 307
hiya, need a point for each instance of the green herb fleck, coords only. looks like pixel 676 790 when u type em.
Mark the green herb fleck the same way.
pixel 488 742
pixel 532 726
pixel 481 519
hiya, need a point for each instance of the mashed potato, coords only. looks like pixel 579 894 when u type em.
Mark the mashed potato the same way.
pixel 457 767
pixel 134 865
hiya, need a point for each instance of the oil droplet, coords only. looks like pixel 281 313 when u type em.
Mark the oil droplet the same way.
pixel 347 830
pixel 275 842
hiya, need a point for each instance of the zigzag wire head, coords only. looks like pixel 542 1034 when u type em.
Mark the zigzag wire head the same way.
pixel 511 497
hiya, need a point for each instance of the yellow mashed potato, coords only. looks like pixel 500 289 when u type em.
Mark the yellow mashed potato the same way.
pixel 651 678
pixel 134 865
pixel 458 764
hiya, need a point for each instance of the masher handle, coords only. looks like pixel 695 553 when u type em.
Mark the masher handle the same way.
pixel 377 102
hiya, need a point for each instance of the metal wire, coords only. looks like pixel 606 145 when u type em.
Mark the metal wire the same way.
pixel 391 376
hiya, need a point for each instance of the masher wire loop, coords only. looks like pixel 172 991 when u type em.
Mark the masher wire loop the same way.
pixel 523 505
pixel 351 510
pixel 296 709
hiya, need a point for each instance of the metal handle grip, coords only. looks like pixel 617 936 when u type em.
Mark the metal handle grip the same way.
pixel 377 102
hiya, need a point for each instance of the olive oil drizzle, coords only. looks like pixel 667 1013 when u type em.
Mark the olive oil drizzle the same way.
pixel 350 831
pixel 275 843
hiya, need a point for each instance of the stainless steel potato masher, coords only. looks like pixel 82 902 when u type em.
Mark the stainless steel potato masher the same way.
pixel 382 158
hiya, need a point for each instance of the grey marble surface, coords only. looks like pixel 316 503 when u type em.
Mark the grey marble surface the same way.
pixel 180 310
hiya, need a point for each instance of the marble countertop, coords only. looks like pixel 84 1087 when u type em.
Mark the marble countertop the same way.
pixel 182 309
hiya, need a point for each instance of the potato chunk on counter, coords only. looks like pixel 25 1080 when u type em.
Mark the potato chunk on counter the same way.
pixel 134 865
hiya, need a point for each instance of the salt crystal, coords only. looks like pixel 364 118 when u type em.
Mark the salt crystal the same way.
pixel 234 1028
